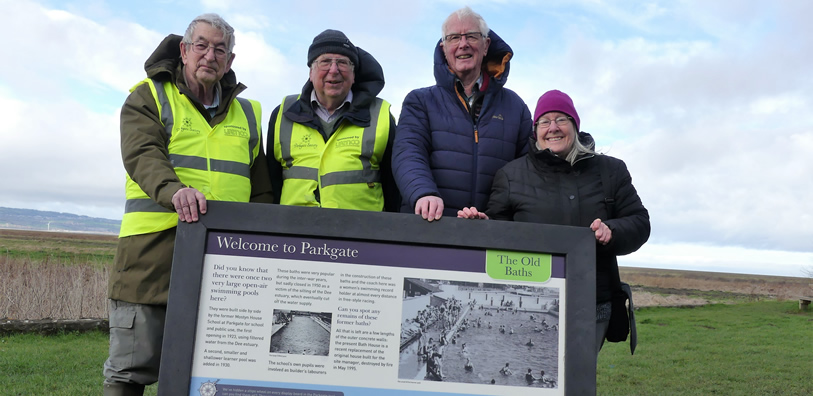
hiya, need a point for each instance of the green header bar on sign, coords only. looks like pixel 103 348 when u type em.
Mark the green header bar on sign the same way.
pixel 518 266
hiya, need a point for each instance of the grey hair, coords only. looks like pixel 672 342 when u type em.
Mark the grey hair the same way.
pixel 217 22
pixel 465 13
pixel 579 150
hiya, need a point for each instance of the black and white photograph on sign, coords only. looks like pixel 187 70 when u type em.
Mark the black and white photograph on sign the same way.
pixel 485 333
pixel 301 332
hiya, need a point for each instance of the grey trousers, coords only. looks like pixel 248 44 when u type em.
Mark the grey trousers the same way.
pixel 136 335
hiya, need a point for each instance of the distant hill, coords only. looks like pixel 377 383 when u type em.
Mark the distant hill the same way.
pixel 28 219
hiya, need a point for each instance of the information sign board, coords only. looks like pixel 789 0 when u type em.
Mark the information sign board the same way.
pixel 293 301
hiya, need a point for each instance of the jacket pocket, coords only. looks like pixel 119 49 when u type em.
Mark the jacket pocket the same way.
pixel 122 317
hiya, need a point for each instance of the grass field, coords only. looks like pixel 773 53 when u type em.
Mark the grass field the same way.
pixel 699 333
pixel 759 348
pixel 43 246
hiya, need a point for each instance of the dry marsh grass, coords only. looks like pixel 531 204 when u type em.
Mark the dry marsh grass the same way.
pixel 60 275
pixel 54 275
pixel 55 290
pixel 661 287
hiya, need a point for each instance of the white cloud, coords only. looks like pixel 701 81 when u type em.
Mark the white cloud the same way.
pixel 57 150
pixel 705 102
pixel 266 71
pixel 714 142
pixel 71 155
pixel 71 52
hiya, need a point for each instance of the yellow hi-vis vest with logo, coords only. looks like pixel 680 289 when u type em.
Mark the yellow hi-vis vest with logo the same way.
pixel 214 160
pixel 344 171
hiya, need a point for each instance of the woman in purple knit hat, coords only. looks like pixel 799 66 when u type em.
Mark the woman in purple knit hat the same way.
pixel 562 180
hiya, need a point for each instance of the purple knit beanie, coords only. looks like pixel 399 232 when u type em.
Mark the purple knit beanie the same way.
pixel 556 100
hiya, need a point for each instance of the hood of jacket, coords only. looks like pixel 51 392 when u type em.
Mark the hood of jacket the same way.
pixel 165 64
pixel 496 64
pixel 369 81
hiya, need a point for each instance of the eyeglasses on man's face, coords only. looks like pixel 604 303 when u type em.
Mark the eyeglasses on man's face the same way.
pixel 202 48
pixel 343 64
pixel 560 121
pixel 471 38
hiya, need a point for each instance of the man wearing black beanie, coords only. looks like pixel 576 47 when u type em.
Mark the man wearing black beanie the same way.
pixel 330 146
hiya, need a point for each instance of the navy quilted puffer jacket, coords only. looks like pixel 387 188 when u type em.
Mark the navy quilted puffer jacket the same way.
pixel 440 151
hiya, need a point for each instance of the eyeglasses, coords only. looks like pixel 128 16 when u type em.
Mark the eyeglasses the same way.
pixel 471 38
pixel 560 121
pixel 202 48
pixel 344 65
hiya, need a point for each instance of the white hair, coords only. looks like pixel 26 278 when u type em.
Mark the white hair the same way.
pixel 462 14
pixel 217 22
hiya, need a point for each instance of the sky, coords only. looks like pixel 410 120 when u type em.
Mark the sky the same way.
pixel 707 102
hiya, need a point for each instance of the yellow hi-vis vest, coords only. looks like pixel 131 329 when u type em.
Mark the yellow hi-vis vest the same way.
pixel 214 160
pixel 344 171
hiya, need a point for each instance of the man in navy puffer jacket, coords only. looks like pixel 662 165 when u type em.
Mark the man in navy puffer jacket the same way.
pixel 454 136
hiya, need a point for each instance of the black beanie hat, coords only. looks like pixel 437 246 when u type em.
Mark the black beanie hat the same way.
pixel 332 42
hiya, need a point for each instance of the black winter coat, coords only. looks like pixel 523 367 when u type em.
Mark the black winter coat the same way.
pixel 543 188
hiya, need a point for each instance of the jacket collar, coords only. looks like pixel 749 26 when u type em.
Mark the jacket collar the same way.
pixel 496 65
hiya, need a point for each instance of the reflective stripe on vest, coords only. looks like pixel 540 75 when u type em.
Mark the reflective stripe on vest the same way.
pixel 348 177
pixel 215 160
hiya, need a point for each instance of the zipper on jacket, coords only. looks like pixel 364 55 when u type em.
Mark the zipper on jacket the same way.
pixel 475 151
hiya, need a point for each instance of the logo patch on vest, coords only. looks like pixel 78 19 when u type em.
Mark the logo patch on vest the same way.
pixel 236 131
pixel 186 126
pixel 305 142
pixel 350 141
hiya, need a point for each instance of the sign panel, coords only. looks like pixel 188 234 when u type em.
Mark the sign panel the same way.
pixel 273 300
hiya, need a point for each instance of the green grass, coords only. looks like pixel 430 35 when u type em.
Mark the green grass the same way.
pixel 759 348
pixel 98 252
pixel 56 255
pixel 68 364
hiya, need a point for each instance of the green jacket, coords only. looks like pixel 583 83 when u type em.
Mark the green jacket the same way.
pixel 143 262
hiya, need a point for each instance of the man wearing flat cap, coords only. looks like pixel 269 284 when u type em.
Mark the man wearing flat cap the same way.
pixel 330 146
